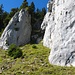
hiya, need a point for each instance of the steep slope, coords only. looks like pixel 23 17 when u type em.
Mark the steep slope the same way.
pixel 33 62
pixel 59 25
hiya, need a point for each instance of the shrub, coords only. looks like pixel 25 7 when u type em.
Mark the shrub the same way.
pixel 34 46
pixel 14 51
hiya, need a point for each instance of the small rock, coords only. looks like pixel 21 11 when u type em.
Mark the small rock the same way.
pixel 22 72
pixel 0 71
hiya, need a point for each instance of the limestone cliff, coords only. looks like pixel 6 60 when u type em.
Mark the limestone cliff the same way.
pixel 18 30
pixel 59 25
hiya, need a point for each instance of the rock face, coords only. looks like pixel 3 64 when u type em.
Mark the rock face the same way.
pixel 18 30
pixel 59 25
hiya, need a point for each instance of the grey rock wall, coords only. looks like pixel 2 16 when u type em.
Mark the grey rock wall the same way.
pixel 59 25
pixel 18 31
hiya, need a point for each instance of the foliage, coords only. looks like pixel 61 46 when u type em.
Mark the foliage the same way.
pixel 24 4
pixel 37 15
pixel 6 20
pixel 14 51
pixel 34 46
pixel 1 9
pixel 1 15
pixel 43 13
pixel 34 62
pixel 5 14
pixel 13 11
pixel 31 8
pixel 10 15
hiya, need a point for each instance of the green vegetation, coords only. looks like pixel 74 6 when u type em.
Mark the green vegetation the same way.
pixel 24 4
pixel 34 46
pixel 31 59
pixel 14 51
pixel 33 62
pixel 36 14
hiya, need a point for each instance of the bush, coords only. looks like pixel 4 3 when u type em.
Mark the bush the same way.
pixel 14 51
pixel 34 46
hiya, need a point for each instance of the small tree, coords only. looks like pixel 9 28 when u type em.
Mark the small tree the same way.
pixel 31 8
pixel 1 9
pixel 1 15
pixel 14 51
pixel 13 11
pixel 43 12
pixel 24 4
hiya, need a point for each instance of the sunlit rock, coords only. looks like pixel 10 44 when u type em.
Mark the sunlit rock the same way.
pixel 18 30
pixel 59 25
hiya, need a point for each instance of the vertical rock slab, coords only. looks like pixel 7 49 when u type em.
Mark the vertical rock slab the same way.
pixel 60 32
pixel 18 30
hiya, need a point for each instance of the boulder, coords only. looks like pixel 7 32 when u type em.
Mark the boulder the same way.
pixel 18 30
pixel 59 25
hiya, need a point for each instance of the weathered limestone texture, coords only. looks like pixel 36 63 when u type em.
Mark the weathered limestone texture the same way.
pixel 18 31
pixel 59 25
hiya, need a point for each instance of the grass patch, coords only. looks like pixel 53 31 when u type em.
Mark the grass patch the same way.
pixel 33 62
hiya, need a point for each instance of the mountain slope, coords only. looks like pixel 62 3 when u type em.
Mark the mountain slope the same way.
pixel 33 62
